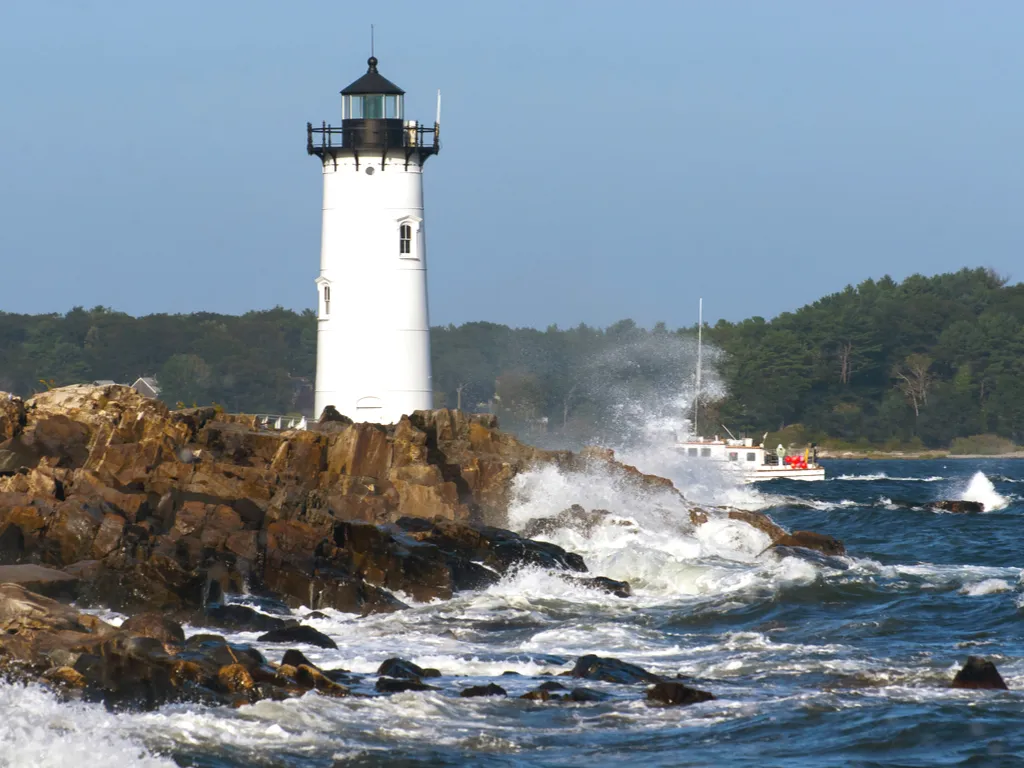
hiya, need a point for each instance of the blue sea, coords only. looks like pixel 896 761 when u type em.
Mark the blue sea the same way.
pixel 814 661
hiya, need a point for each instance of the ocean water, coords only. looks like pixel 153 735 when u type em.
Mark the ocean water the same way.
pixel 815 661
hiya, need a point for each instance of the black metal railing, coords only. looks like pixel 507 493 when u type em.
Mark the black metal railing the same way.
pixel 371 135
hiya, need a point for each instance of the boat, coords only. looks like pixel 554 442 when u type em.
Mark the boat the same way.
pixel 752 462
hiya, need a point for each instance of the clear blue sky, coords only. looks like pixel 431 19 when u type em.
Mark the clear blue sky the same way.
pixel 601 159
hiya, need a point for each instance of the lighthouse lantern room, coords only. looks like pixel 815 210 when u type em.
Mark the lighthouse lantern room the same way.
pixel 373 328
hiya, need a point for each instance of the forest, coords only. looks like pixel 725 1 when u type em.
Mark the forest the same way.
pixel 922 362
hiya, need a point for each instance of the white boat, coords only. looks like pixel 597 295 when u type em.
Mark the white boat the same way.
pixel 751 462
pixel 740 455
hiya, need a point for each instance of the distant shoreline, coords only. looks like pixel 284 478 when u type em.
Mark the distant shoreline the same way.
pixel 850 454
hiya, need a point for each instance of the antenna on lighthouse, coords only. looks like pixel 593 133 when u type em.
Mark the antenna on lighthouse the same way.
pixel 371 40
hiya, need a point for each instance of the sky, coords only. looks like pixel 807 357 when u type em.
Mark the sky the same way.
pixel 600 160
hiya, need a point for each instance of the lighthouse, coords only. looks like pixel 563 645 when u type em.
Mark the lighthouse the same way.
pixel 373 328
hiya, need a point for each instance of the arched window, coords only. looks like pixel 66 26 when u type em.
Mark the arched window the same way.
pixel 327 299
pixel 405 239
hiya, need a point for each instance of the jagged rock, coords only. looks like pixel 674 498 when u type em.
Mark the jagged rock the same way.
pixel 818 542
pixel 156 626
pixel 956 505
pixel 611 670
pixel 400 685
pixel 495 547
pixel 760 521
pixel 575 518
pixel 604 584
pixel 698 516
pixel 12 416
pixel 241 617
pixel 979 673
pixel 299 634
pixel 43 581
pixel 406 669
pixel 330 413
pixel 674 694
pixel 483 690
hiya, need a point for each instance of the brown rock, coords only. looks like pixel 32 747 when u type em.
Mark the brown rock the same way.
pixel 760 521
pixel 673 694
pixel 819 542
pixel 234 678
pixel 43 581
pixel 156 626
pixel 698 516
pixel 65 677
pixel 979 673
pixel 108 537
pixel 12 416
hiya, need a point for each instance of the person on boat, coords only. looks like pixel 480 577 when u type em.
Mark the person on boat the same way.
pixel 781 453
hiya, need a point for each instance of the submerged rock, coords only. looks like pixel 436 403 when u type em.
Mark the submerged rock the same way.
pixel 956 505
pixel 611 670
pixel 673 694
pixel 400 685
pixel 299 634
pixel 979 673
pixel 406 669
pixel 483 690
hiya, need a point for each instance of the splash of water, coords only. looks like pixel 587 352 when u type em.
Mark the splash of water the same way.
pixel 981 490
pixel 38 730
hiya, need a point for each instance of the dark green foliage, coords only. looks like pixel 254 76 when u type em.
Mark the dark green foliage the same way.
pixel 930 359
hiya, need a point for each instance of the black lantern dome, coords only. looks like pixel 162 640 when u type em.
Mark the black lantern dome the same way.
pixel 372 121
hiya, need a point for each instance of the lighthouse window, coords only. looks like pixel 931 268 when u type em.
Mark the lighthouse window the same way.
pixel 405 239
pixel 373 107
pixel 327 299
pixel 393 107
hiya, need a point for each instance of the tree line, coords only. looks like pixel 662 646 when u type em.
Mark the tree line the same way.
pixel 925 361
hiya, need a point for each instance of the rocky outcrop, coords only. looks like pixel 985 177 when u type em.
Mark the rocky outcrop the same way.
pixel 151 510
pixel 979 673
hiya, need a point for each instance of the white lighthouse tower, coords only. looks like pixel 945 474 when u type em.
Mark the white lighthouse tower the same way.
pixel 373 329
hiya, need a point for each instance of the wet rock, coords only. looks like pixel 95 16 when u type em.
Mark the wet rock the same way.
pixel 483 690
pixel 819 542
pixel 12 544
pixel 698 517
pixel 241 618
pixel 551 685
pixel 586 695
pixel 310 677
pixel 400 685
pixel 234 678
pixel 575 518
pixel 761 521
pixel 956 505
pixel 401 668
pixel 296 658
pixel 537 695
pixel 979 673
pixel 41 580
pixel 156 626
pixel 604 584
pixel 611 670
pixel 674 694
pixel 65 677
pixel 299 634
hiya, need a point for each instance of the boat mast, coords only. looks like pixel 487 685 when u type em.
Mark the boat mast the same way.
pixel 696 388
